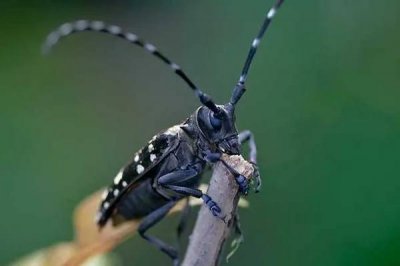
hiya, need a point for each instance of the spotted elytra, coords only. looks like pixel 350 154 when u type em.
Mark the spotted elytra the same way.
pixel 170 166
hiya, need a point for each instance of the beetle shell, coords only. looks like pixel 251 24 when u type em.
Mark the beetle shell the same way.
pixel 135 172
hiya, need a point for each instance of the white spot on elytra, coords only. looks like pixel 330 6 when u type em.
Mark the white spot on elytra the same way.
pixel 255 43
pixel 118 178
pixel 104 195
pixel 106 205
pixel 173 130
pixel 151 48
pixel 271 13
pixel 124 184
pixel 151 147
pixel 152 157
pixel 139 168
pixel 97 217
pixel 116 192
pixel 136 159
pixel 241 79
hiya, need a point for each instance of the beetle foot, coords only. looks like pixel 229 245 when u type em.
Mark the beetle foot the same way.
pixel 212 205
pixel 256 177
pixel 240 179
pixel 242 183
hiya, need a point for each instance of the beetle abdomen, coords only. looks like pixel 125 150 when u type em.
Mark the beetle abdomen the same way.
pixel 139 202
pixel 137 171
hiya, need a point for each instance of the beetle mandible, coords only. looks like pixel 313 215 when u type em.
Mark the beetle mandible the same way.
pixel 170 166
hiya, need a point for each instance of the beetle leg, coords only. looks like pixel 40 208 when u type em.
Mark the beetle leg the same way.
pixel 212 157
pixel 183 220
pixel 240 179
pixel 149 221
pixel 245 136
pixel 178 182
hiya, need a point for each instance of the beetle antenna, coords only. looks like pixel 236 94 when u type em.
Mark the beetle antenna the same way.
pixel 240 87
pixel 98 26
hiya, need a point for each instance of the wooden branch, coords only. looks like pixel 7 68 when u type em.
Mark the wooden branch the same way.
pixel 210 233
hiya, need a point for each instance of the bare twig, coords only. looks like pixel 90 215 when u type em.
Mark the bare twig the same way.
pixel 210 233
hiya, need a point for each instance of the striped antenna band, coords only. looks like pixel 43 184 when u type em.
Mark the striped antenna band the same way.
pixel 99 26
pixel 240 87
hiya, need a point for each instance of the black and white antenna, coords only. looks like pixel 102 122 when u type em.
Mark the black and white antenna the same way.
pixel 98 26
pixel 240 86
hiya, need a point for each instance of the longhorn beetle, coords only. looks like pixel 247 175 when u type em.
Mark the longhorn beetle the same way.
pixel 170 166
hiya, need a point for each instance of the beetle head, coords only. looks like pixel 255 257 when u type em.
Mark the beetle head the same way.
pixel 219 128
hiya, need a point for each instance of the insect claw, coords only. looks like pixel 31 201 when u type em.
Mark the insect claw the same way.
pixel 216 210
pixel 223 219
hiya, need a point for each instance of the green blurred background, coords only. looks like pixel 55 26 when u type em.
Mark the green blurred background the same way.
pixel 322 100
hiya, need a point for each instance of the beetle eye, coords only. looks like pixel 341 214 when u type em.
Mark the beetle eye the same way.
pixel 215 122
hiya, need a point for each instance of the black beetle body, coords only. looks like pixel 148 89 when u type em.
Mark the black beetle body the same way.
pixel 170 166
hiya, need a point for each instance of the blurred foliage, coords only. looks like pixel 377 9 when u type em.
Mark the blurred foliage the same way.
pixel 91 246
pixel 322 101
